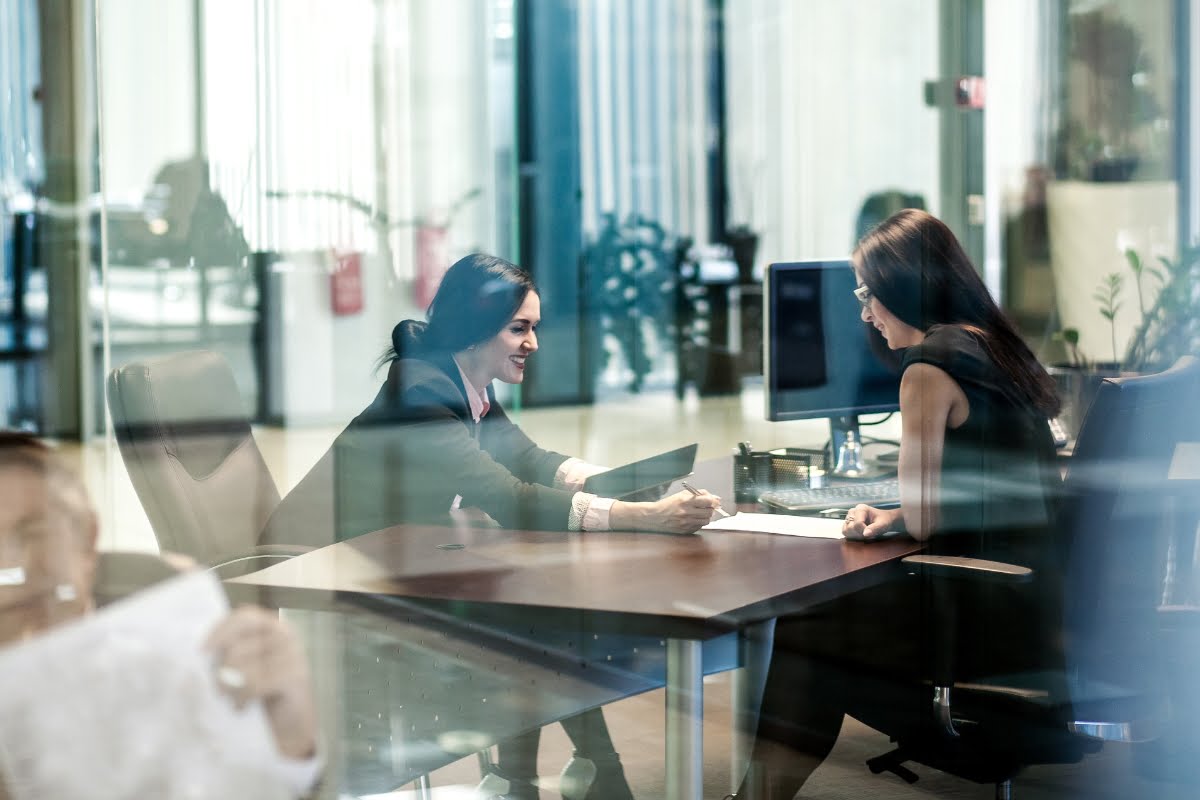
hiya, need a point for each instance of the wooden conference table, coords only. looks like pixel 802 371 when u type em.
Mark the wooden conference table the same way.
pixel 684 589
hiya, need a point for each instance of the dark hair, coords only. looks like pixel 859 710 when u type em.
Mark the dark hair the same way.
pixel 477 297
pixel 15 444
pixel 915 266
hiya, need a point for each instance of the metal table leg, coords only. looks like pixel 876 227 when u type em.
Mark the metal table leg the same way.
pixel 685 720
pixel 746 685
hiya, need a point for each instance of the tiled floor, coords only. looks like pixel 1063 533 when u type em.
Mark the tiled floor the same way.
pixel 637 729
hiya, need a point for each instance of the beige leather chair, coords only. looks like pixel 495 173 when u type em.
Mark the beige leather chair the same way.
pixel 122 573
pixel 186 441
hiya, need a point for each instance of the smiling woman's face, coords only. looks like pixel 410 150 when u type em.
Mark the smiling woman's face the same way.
pixel 897 333
pixel 503 356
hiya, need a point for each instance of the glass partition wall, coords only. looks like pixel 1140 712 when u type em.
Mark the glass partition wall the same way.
pixel 322 161
pixel 281 181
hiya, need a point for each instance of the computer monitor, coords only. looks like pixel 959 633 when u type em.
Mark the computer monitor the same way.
pixel 818 360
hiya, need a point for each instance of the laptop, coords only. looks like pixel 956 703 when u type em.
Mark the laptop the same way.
pixel 647 479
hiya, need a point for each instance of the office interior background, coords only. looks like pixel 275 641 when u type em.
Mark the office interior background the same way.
pixel 281 181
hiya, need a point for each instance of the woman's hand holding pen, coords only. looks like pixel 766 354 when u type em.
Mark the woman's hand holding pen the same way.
pixel 720 512
pixel 685 512
pixel 682 512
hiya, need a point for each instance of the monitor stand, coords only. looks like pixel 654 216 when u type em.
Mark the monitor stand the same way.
pixel 839 427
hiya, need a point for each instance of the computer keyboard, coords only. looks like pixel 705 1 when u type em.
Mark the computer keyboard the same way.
pixel 842 495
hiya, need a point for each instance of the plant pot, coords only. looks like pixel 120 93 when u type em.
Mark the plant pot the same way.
pixel 1113 170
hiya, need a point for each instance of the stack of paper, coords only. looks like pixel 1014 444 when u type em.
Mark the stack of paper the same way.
pixel 123 704
pixel 786 524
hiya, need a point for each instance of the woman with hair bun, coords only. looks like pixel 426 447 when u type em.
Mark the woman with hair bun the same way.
pixel 435 439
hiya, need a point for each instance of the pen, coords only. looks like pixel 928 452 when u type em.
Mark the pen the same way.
pixel 696 492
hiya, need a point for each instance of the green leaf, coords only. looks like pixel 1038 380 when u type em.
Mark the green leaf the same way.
pixel 1135 261
pixel 1069 335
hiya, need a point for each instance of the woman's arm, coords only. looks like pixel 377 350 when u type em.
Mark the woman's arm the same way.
pixel 682 512
pixel 930 402
pixel 510 446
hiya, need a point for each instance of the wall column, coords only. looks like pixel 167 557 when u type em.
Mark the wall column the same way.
pixel 68 135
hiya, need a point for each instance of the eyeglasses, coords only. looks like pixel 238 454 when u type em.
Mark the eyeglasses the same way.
pixel 864 295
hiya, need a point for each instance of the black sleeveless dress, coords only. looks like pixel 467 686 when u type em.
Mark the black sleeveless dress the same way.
pixel 869 654
pixel 999 475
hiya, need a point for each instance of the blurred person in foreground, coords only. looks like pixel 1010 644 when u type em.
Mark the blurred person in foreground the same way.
pixel 49 567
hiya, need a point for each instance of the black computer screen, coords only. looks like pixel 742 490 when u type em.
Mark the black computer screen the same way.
pixel 818 358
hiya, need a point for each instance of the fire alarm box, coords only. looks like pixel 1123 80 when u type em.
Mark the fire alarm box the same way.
pixel 345 284
pixel 966 93
pixel 970 92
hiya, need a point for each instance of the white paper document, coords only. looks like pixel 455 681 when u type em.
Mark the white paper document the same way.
pixel 786 524
pixel 124 704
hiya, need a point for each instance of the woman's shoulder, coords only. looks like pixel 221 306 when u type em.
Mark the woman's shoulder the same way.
pixel 945 344
pixel 417 371
pixel 414 387
pixel 956 350
pixel 954 338
pixel 417 378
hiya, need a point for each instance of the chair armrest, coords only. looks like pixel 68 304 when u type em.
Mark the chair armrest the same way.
pixel 121 573
pixel 953 575
pixel 972 569
pixel 260 557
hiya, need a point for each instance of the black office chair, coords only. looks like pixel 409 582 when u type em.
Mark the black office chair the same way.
pixel 1123 501
pixel 186 442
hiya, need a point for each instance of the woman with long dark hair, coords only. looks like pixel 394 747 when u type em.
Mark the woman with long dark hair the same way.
pixel 977 476
pixel 435 439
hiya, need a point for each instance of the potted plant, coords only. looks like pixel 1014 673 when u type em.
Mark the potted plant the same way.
pixel 1111 106
pixel 1167 305
pixel 1170 318
pixel 1110 191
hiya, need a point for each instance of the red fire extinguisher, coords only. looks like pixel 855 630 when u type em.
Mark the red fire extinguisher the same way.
pixel 432 263
pixel 345 283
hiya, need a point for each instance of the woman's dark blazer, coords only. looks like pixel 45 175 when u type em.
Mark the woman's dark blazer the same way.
pixel 407 455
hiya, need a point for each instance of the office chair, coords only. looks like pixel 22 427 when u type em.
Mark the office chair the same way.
pixel 121 573
pixel 187 444
pixel 1121 503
